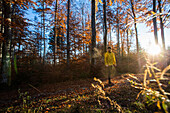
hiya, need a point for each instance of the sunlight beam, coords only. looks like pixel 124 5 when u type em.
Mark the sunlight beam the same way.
pixel 154 49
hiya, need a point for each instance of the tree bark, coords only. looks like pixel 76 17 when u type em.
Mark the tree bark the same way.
pixel 83 28
pixel 93 26
pixel 122 41
pixel 161 25
pixel 136 33
pixel 1 27
pixel 127 34
pixel 105 26
pixel 44 31
pixel 110 34
pixel 135 26
pixel 55 30
pixel 12 33
pixel 68 41
pixel 5 67
pixel 41 37
pixel 118 31
pixel 155 23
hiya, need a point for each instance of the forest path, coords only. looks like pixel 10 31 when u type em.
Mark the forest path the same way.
pixel 120 90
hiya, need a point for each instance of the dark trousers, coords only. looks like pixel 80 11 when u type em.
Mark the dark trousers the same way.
pixel 111 70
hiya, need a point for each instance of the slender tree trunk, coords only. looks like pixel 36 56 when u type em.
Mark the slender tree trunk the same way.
pixel 12 39
pixel 83 28
pixel 127 34
pixel 161 25
pixel 55 30
pixel 44 31
pixel 118 41
pixel 93 26
pixel 19 38
pixel 155 23
pixel 110 34
pixel 135 26
pixel 1 26
pixel 12 33
pixel 41 37
pixel 118 31
pixel 105 26
pixel 122 44
pixel 6 72
pixel 136 33
pixel 162 33
pixel 68 41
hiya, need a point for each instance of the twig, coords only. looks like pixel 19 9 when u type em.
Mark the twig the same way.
pixel 35 88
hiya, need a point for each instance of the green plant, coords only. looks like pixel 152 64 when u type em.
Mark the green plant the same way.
pixel 25 100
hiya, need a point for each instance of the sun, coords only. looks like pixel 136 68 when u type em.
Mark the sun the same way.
pixel 154 49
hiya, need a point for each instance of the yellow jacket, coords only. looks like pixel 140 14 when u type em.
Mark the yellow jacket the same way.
pixel 109 58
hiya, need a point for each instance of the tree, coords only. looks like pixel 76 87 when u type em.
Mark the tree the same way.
pixel 155 23
pixel 118 30
pixel 105 25
pixel 136 31
pixel 1 26
pixel 55 30
pixel 127 34
pixel 68 43
pixel 135 25
pixel 161 24
pixel 43 16
pixel 5 64
pixel 93 38
pixel 52 42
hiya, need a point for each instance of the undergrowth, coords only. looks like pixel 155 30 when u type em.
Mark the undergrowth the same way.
pixel 153 85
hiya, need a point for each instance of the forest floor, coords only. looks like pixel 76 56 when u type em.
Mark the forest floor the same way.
pixel 71 96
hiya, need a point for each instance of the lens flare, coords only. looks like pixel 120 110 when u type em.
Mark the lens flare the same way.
pixel 154 50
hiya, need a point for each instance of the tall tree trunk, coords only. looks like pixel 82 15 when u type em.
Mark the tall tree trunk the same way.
pixel 44 31
pixel 136 33
pixel 87 45
pixel 83 28
pixel 12 33
pixel 155 23
pixel 127 34
pixel 5 69
pixel 118 31
pixel 161 25
pixel 110 34
pixel 135 26
pixel 122 41
pixel 41 37
pixel 12 39
pixel 93 26
pixel 1 26
pixel 68 41
pixel 162 33
pixel 55 30
pixel 105 26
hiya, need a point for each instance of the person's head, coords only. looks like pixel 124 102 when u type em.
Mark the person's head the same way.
pixel 109 49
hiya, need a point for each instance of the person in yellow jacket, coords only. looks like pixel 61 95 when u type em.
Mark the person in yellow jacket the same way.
pixel 110 61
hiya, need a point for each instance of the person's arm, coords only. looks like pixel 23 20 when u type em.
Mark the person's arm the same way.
pixel 105 59
pixel 114 60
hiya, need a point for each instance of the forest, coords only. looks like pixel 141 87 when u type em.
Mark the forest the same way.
pixel 53 56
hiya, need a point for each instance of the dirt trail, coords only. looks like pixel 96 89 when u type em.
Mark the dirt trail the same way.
pixel 120 90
